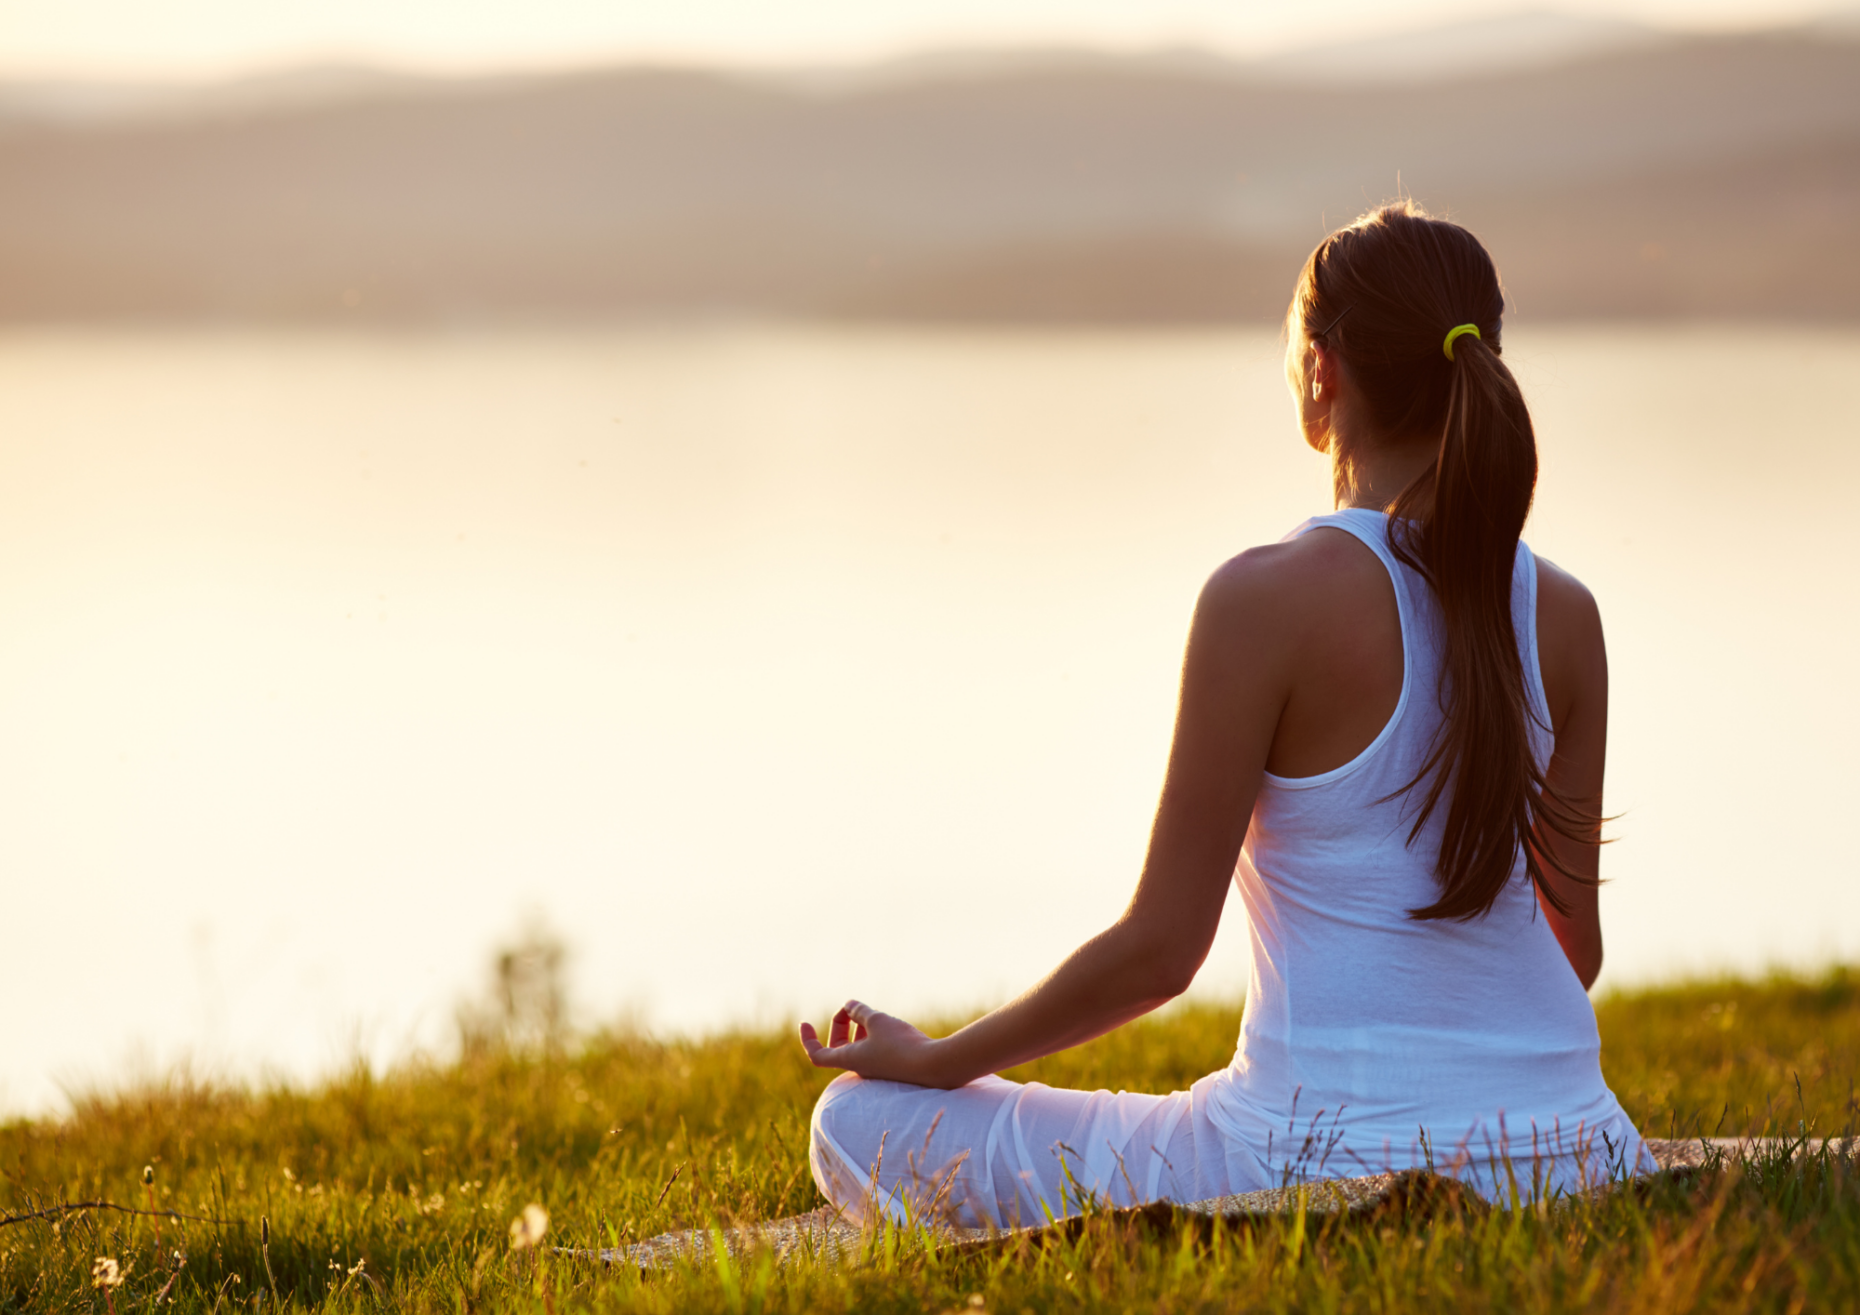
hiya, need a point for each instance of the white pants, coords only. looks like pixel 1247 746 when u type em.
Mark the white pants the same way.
pixel 997 1153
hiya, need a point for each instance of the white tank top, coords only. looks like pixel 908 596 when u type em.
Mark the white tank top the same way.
pixel 1387 1038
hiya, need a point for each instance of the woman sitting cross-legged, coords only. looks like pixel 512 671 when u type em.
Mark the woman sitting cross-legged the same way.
pixel 1390 739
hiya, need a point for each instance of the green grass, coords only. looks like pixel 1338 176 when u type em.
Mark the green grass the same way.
pixel 420 1173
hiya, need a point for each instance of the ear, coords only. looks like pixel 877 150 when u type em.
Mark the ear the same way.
pixel 1320 379
pixel 1321 376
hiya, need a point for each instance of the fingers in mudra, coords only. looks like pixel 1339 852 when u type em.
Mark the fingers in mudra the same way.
pixel 848 1027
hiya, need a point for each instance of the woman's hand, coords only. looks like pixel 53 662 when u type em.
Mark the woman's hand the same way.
pixel 874 1045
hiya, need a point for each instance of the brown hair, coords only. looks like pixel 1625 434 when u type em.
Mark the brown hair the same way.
pixel 1382 295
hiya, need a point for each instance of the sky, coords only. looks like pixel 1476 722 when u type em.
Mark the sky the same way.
pixel 186 39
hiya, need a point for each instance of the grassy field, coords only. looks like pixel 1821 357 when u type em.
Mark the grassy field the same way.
pixel 397 1192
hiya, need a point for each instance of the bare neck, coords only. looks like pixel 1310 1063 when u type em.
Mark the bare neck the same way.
pixel 1373 474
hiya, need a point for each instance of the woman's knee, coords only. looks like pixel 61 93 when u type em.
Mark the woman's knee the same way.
pixel 832 1127
pixel 832 1107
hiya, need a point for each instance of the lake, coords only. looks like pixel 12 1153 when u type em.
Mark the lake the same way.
pixel 771 665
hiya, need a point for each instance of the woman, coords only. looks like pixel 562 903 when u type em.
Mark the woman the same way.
pixel 1390 738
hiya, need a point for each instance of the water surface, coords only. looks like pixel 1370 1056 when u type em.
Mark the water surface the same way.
pixel 773 665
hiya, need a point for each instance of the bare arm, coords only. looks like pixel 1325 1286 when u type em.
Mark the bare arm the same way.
pixel 1575 669
pixel 1234 682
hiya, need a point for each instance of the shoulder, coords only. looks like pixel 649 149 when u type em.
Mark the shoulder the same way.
pixel 1570 649
pixel 1282 602
pixel 1567 613
pixel 1295 578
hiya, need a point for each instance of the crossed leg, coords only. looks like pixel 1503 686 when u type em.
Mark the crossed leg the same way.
pixel 996 1153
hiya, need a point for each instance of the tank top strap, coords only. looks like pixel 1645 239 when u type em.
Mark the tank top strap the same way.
pixel 1419 615
pixel 1372 529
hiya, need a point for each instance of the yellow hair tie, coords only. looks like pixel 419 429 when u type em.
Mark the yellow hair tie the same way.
pixel 1455 332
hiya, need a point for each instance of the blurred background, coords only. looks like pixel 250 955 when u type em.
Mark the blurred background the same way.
pixel 715 492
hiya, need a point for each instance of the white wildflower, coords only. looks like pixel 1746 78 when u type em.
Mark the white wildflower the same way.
pixel 527 1229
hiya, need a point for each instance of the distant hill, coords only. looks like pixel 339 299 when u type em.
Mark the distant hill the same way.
pixel 1500 43
pixel 1625 177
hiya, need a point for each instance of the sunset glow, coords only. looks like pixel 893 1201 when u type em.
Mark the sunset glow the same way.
pixel 191 38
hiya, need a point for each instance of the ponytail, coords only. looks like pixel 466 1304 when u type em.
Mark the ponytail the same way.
pixel 1387 289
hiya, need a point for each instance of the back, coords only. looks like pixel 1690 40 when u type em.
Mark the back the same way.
pixel 1375 1024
